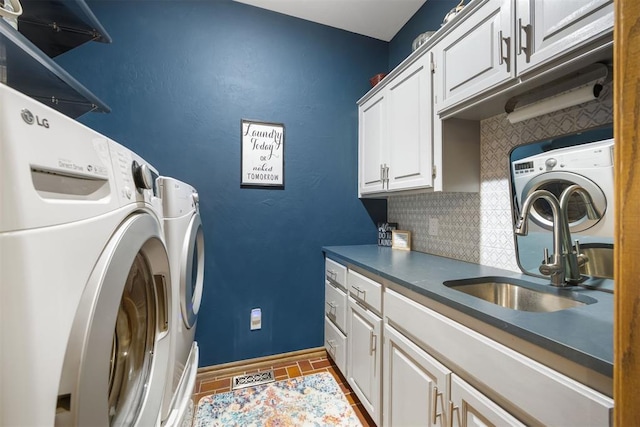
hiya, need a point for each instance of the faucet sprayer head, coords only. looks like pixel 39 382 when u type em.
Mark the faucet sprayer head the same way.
pixel 522 228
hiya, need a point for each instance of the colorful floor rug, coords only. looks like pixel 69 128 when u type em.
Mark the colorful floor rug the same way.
pixel 313 400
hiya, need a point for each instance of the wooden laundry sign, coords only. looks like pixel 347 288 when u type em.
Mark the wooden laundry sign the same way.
pixel 262 154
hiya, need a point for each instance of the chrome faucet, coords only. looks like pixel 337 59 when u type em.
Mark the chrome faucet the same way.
pixel 575 259
pixel 556 269
pixel 567 259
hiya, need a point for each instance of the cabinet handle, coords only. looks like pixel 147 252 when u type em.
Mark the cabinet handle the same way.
pixel 373 339
pixel 332 346
pixel 452 409
pixel 359 291
pixel 384 175
pixel 332 275
pixel 504 58
pixel 524 47
pixel 332 305
pixel 435 413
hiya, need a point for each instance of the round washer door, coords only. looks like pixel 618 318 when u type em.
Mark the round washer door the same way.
pixel 115 366
pixel 556 182
pixel 192 271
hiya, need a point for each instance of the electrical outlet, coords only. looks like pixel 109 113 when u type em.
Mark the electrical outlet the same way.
pixel 433 226
pixel 256 319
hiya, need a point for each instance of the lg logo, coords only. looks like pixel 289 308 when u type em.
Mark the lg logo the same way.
pixel 30 119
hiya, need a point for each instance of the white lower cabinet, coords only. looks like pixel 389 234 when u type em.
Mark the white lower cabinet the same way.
pixel 470 408
pixel 335 311
pixel 539 394
pixel 364 349
pixel 412 366
pixel 416 386
pixel 335 342
pixel 335 305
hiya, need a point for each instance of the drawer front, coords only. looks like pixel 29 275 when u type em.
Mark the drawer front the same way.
pixel 335 272
pixel 542 392
pixel 365 290
pixel 336 344
pixel 335 307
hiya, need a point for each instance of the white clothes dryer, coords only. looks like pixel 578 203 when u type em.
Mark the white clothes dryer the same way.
pixel 185 244
pixel 588 165
pixel 84 281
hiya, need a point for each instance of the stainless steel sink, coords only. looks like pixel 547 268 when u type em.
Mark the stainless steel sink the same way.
pixel 600 260
pixel 520 295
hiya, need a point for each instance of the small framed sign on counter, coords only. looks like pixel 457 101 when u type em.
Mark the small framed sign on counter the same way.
pixel 384 232
pixel 262 153
pixel 401 239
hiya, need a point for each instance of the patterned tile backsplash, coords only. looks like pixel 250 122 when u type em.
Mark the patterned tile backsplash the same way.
pixel 477 227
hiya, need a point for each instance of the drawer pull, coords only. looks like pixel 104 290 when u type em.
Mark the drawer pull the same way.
pixel 359 291
pixel 333 309
pixel 332 346
pixel 434 410
pixel 332 275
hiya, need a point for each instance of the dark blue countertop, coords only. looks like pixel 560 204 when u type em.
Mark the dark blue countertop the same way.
pixel 581 334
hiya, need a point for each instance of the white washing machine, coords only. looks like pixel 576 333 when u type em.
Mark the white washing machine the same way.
pixel 588 165
pixel 85 281
pixel 185 244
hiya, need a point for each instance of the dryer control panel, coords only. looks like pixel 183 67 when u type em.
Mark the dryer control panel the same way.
pixel 135 178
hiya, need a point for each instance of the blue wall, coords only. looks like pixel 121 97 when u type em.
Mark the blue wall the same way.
pixel 427 18
pixel 179 76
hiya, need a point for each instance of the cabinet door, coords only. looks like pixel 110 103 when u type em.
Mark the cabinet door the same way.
pixel 476 56
pixel 409 127
pixel 470 408
pixel 371 137
pixel 416 386
pixel 363 357
pixel 548 29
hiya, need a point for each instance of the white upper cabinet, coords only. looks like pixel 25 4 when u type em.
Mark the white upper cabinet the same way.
pixel 476 54
pixel 491 51
pixel 372 137
pixel 409 128
pixel 497 44
pixel 395 133
pixel 549 28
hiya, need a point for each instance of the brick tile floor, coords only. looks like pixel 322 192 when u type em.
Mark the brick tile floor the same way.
pixel 212 382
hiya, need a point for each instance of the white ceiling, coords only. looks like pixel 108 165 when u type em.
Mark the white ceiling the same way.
pixel 380 19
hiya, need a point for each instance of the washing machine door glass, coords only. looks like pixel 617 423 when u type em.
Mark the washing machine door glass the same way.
pixel 133 342
pixel 114 370
pixel 192 274
pixel 556 183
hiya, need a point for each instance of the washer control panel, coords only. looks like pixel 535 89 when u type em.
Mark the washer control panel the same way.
pixel 135 179
pixel 587 156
